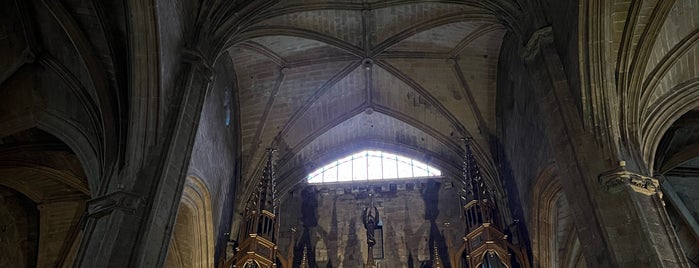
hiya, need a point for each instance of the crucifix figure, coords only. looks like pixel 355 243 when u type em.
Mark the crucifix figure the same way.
pixel 370 217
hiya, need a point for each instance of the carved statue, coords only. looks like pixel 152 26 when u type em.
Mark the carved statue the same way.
pixel 370 216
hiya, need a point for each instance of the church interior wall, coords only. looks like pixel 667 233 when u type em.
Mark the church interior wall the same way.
pixel 415 215
pixel 212 159
pixel 116 163
pixel 521 131
pixel 176 25
pixel 562 16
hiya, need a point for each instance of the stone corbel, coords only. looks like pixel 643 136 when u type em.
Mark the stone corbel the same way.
pixel 538 39
pixel 617 179
pixel 194 57
pixel 119 200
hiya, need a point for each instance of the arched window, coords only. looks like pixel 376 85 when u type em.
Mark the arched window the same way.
pixel 372 165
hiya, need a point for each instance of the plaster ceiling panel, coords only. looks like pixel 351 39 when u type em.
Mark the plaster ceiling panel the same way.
pixel 333 106
pixel 35 184
pixel 295 92
pixel 439 39
pixel 61 99
pixel 298 50
pixel 394 94
pixel 256 76
pixel 390 21
pixel 345 25
pixel 678 25
pixel 61 48
pixel 439 78
pixel 298 88
pixel 478 63
pixel 682 71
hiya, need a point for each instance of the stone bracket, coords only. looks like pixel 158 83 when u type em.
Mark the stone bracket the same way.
pixel 196 58
pixel 119 200
pixel 536 41
pixel 617 179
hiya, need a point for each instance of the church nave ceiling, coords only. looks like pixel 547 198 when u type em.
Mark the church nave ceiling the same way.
pixel 421 70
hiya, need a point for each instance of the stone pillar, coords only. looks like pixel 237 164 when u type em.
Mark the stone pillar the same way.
pixel 618 214
pixel 110 230
pixel 131 224
pixel 639 222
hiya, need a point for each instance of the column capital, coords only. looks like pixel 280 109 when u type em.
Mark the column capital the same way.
pixel 537 40
pixel 195 57
pixel 121 200
pixel 615 180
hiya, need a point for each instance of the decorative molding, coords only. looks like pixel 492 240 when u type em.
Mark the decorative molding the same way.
pixel 121 200
pixel 536 41
pixel 615 180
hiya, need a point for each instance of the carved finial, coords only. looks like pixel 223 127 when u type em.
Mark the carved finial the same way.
pixel 267 190
pixel 437 263
pixel 304 258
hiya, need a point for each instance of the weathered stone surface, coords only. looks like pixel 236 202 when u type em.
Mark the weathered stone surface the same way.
pixel 135 96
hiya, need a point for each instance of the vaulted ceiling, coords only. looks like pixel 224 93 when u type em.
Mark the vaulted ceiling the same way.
pixel 321 79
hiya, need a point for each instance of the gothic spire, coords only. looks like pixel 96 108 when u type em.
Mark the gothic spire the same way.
pixel 267 187
pixel 436 263
pixel 474 184
pixel 304 258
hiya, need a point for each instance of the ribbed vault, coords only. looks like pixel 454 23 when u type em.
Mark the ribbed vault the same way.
pixel 317 77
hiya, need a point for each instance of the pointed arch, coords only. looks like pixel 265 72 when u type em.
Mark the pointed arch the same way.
pixel 552 231
pixel 192 242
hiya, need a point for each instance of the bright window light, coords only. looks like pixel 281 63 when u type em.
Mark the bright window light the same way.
pixel 372 165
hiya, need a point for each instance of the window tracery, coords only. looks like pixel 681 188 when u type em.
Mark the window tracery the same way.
pixel 372 165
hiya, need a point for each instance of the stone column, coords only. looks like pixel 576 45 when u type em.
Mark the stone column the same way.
pixel 111 230
pixel 641 212
pixel 131 224
pixel 618 214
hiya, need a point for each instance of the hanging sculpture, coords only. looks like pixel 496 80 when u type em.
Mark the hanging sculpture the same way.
pixel 370 218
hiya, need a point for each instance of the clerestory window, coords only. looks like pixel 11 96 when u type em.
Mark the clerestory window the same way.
pixel 372 165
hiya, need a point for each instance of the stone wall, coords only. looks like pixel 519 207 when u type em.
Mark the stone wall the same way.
pixel 415 215
pixel 521 132
pixel 19 229
pixel 213 156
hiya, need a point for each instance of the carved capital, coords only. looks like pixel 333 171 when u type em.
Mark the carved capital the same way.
pixel 539 38
pixel 194 57
pixel 125 201
pixel 617 179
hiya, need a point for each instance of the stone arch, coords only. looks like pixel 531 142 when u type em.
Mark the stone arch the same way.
pixel 554 239
pixel 676 157
pixel 37 165
pixel 192 241
pixel 35 115
pixel 19 218
pixel 663 115
pixel 80 143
